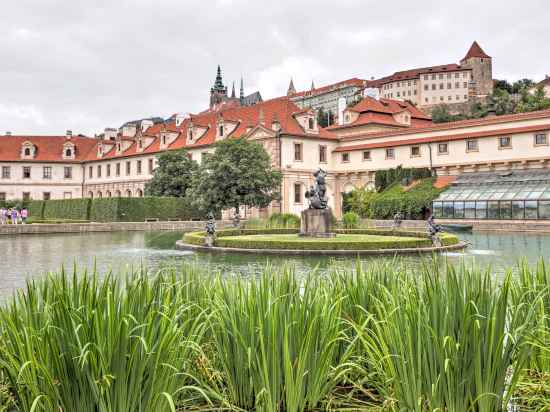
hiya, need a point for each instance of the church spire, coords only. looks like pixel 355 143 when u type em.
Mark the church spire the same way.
pixel 218 84
pixel 241 92
pixel 312 85
pixel 291 90
pixel 233 91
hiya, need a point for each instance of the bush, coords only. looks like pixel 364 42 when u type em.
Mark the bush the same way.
pixel 283 220
pixel 385 178
pixel 77 209
pixel 351 220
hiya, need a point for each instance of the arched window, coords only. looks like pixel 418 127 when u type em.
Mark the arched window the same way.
pixel 221 130
pixel 117 193
pixel 128 193
pixel 311 122
pixel 108 194
pixel 27 151
pixel 139 193
pixel 68 152
pixel 91 195
pixel 99 195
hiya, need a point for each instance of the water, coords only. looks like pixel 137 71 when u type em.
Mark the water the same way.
pixel 33 255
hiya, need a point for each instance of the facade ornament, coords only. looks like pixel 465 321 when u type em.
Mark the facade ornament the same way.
pixel 316 195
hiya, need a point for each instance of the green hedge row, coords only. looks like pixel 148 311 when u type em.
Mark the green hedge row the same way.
pixel 119 209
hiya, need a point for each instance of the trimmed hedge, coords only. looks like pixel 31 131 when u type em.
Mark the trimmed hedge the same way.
pixel 72 209
pixel 223 239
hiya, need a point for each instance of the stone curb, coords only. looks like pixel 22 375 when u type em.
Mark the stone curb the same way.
pixel 181 245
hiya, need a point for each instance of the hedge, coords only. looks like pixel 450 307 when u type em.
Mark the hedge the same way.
pixel 73 209
pixel 223 239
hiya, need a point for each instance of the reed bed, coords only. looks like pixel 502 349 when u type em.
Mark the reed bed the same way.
pixel 380 337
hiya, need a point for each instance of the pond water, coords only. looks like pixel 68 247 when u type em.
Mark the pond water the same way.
pixel 25 256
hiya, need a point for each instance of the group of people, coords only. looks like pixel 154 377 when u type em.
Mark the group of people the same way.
pixel 13 215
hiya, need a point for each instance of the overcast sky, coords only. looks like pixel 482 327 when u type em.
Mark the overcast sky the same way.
pixel 87 65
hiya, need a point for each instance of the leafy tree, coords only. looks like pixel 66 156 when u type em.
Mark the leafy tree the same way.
pixel 522 85
pixel 238 173
pixel 503 85
pixel 173 176
pixel 501 102
pixel 442 114
pixel 533 101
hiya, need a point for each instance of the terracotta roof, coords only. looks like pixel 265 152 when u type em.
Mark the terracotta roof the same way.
pixel 476 51
pixel 320 90
pixel 373 111
pixel 444 138
pixel 48 148
pixel 455 125
pixel 443 181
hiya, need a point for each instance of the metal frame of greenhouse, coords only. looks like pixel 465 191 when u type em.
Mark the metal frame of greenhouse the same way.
pixel 506 195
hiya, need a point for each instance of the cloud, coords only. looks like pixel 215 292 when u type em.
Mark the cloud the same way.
pixel 89 65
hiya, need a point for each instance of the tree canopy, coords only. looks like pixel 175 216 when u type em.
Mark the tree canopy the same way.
pixel 238 173
pixel 173 175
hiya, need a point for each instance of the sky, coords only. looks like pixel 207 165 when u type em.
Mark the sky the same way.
pixel 84 66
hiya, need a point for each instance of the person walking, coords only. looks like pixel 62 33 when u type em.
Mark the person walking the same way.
pixel 24 215
pixel 14 216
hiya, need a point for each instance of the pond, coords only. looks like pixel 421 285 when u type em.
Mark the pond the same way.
pixel 33 255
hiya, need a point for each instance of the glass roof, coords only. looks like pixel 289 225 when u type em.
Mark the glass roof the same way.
pixel 491 190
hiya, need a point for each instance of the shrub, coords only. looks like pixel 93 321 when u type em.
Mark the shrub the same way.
pixel 351 220
pixel 77 209
pixel 385 178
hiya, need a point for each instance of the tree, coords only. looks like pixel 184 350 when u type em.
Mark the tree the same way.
pixel 533 101
pixel 442 114
pixel 503 85
pixel 173 175
pixel 521 85
pixel 238 173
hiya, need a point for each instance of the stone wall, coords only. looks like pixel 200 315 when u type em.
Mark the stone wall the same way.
pixel 107 227
pixel 478 225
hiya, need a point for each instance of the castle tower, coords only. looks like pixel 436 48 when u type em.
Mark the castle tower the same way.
pixel 291 89
pixel 218 92
pixel 481 64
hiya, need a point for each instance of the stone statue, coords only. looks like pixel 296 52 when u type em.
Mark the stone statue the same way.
pixel 210 230
pixel 316 195
pixel 433 230
pixel 397 220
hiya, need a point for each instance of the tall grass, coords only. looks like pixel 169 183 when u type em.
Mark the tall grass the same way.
pixel 384 336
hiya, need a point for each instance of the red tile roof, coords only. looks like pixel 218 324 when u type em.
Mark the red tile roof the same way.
pixel 320 90
pixel 48 148
pixel 444 138
pixel 373 111
pixel 476 51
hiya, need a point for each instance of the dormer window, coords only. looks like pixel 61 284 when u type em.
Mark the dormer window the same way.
pixel 27 151
pixel 118 147
pixel 221 130
pixel 140 144
pixel 311 123
pixel 68 152
pixel 163 139
pixel 190 134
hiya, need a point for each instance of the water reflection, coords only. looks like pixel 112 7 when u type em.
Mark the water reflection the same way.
pixel 34 255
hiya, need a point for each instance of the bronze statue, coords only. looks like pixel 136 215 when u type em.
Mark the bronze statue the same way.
pixel 316 195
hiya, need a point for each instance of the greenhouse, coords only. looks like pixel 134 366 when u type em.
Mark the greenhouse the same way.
pixel 497 195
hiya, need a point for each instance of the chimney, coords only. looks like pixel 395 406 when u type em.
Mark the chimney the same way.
pixel 69 134
pixel 8 133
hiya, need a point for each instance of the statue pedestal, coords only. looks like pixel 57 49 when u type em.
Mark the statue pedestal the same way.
pixel 316 223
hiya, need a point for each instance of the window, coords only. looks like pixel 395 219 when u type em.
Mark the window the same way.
pixel 434 86
pixel 457 97
pixel 449 85
pixel 6 172
pixel 398 95
pixel 108 170
pixel 433 76
pixel 2 196
pixel 221 130
pixel 68 172
pixel 47 172
pixel 90 172
pixel 117 169
pixel 139 167
pixel 448 75
pixel 443 148
pixel 27 151
pixel 26 172
pixel 440 76
pixel 99 171
pixel 504 142
pixel 297 193
pixel 150 166
pixel 390 153
pixel 297 152
pixel 415 151
pixel 465 97
pixel 471 145
pixel 441 86
pixel 322 154
pixel 457 85
pixel 425 77
pixel 345 157
pixel 441 98
pixel 449 98
pixel 465 84
pixel 457 75
pixel 46 195
pixel 128 168
pixel 540 140
pixel 366 155
pixel 26 196
pixel 68 152
pixel 311 123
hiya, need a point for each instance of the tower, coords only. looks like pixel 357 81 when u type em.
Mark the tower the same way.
pixel 291 90
pixel 241 92
pixel 218 92
pixel 481 83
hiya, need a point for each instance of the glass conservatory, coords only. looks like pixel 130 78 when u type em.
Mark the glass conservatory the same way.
pixel 507 195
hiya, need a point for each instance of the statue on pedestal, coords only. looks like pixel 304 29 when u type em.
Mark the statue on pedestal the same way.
pixel 397 220
pixel 433 230
pixel 210 230
pixel 316 195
